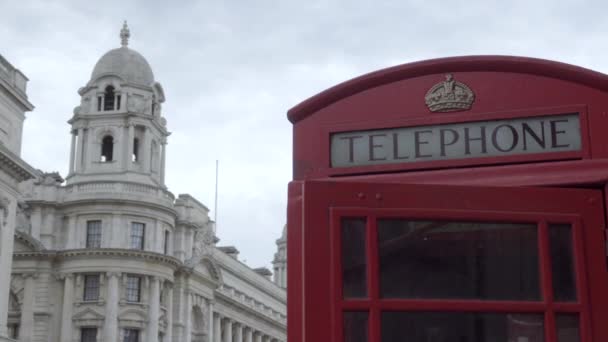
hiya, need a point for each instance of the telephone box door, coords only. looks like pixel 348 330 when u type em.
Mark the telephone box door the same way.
pixel 428 263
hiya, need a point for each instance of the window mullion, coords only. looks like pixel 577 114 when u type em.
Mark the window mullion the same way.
pixel 546 280
pixel 373 277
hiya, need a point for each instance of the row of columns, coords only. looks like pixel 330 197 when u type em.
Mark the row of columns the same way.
pixel 110 328
pixel 77 150
pixel 225 329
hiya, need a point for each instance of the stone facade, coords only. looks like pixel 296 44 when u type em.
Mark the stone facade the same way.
pixel 13 170
pixel 280 260
pixel 110 254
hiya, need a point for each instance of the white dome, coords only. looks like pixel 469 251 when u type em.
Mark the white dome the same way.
pixel 125 63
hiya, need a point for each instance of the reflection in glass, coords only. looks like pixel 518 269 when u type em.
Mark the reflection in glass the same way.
pixel 567 328
pixel 354 265
pixel 562 262
pixel 461 327
pixel 458 260
pixel 355 326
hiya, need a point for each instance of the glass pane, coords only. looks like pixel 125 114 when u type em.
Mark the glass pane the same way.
pixel 355 326
pixel 461 327
pixel 458 260
pixel 562 262
pixel 567 328
pixel 354 264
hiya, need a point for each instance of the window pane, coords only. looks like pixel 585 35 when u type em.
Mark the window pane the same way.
pixel 461 327
pixel 354 265
pixel 133 288
pixel 131 335
pixel 137 235
pixel 91 287
pixel 88 335
pixel 355 326
pixel 567 328
pixel 562 262
pixel 458 260
pixel 93 234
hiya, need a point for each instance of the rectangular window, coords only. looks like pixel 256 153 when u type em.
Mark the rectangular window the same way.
pixel 458 260
pixel 354 265
pixel 462 326
pixel 118 102
pixel 137 235
pixel 99 102
pixel 91 287
pixel 356 326
pixel 13 331
pixel 93 234
pixel 133 289
pixel 166 247
pixel 562 262
pixel 88 335
pixel 130 335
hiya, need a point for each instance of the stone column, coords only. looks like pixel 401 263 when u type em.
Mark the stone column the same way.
pixel 72 151
pixel 70 243
pixel 258 336
pixel 144 151
pixel 110 327
pixel 188 316
pixel 238 332
pixel 163 147
pixel 80 150
pixel 153 310
pixel 169 303
pixel 27 308
pixel 227 330
pixel 249 335
pixel 209 325
pixel 217 329
pixel 131 137
pixel 7 234
pixel 66 312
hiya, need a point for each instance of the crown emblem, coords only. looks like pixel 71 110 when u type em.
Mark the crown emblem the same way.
pixel 449 96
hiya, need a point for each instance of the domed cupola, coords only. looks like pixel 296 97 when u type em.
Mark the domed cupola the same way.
pixel 118 131
pixel 125 63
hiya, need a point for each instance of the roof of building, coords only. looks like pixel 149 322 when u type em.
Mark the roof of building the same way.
pixel 125 63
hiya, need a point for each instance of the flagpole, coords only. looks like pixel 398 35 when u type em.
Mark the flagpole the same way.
pixel 217 162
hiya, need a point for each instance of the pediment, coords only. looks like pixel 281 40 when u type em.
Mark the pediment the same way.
pixel 133 315
pixel 88 314
pixel 207 266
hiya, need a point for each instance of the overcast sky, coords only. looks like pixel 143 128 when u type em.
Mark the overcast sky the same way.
pixel 232 69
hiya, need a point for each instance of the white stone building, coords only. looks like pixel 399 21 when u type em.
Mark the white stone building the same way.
pixel 110 254
pixel 13 170
pixel 279 263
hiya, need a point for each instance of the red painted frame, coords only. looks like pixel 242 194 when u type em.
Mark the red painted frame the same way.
pixel 505 87
pixel 323 203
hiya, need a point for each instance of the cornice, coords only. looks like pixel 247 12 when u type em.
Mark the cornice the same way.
pixel 257 281
pixel 102 252
pixel 18 95
pixel 250 310
pixel 15 166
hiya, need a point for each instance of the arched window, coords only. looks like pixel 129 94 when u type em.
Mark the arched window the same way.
pixel 108 100
pixel 135 156
pixel 107 148
pixel 154 156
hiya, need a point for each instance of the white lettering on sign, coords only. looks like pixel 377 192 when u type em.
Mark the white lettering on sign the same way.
pixel 542 134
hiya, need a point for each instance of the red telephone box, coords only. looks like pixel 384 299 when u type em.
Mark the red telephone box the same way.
pixel 451 200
